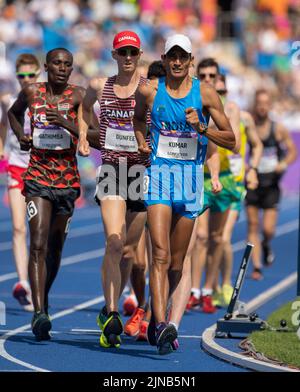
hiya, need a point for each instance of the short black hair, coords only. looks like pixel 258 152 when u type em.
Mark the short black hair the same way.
pixel 48 55
pixel 156 70
pixel 208 62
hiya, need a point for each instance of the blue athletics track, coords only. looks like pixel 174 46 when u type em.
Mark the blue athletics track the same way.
pixel 77 296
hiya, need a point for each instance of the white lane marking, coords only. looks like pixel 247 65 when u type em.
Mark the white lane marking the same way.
pixel 210 345
pixel 93 254
pixel 3 338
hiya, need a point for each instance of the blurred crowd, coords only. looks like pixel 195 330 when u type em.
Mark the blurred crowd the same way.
pixel 256 41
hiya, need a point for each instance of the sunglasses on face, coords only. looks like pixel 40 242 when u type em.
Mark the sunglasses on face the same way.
pixel 202 76
pixel 181 56
pixel 222 92
pixel 22 75
pixel 128 52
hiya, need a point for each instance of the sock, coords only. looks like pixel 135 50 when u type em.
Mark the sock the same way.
pixel 196 292
pixel 206 292
pixel 175 325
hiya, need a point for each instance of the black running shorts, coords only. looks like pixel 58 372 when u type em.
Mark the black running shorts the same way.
pixel 264 197
pixel 63 199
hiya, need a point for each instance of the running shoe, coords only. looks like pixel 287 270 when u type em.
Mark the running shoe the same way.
pixel 175 345
pixel 142 334
pixel 207 304
pixel 41 325
pixel 257 274
pixel 227 291
pixel 132 326
pixel 166 334
pixel 193 302
pixel 102 318
pixel 111 331
pixel 268 256
pixel 21 292
pixel 129 305
pixel 217 299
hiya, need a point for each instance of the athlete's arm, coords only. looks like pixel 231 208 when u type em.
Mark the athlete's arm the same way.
pixel 85 113
pixel 144 100
pixel 3 127
pixel 16 116
pixel 213 164
pixel 232 111
pixel 257 149
pixel 224 135
pixel 283 136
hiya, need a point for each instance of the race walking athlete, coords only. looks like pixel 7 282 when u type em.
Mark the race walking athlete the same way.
pixel 123 214
pixel 279 152
pixel 178 143
pixel 27 71
pixel 51 181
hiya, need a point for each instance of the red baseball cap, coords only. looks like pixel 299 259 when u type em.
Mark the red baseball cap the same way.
pixel 126 38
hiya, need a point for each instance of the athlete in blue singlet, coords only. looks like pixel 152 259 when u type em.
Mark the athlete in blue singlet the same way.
pixel 173 183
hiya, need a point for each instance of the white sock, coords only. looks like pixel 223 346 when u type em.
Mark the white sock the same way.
pixel 206 292
pixel 196 292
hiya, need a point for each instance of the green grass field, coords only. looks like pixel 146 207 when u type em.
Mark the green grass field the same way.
pixel 282 346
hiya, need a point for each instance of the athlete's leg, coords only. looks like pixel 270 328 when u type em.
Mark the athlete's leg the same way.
pixel 57 236
pixel 40 212
pixel 18 213
pixel 198 251
pixel 253 234
pixel 159 222
pixel 226 266
pixel 268 230
pixel 215 249
pixel 113 216
pixel 135 223
pixel 138 272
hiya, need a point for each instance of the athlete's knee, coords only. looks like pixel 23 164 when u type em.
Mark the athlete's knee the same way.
pixel 128 252
pixel 160 256
pixel 268 232
pixel 216 239
pixel 115 245
pixel 19 230
pixel 201 238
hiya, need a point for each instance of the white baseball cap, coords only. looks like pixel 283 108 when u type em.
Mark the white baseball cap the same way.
pixel 178 40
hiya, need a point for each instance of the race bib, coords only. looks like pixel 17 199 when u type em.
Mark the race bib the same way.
pixel 119 138
pixel 268 161
pixel 177 145
pixel 51 138
pixel 236 164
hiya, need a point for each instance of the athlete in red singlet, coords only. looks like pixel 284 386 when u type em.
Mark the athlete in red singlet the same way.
pixel 51 182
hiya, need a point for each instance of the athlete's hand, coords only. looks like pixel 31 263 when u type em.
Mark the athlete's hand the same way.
pixel 83 147
pixel 144 149
pixel 193 119
pixel 251 179
pixel 25 142
pixel 216 186
pixel 281 167
pixel 53 117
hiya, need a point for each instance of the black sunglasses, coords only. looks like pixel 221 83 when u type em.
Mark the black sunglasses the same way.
pixel 222 91
pixel 203 75
pixel 22 75
pixel 181 56
pixel 128 52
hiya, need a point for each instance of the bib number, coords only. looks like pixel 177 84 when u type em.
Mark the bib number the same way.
pixel 120 140
pixel 174 147
pixel 236 164
pixel 51 138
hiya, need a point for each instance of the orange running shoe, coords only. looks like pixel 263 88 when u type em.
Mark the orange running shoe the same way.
pixel 207 304
pixel 129 305
pixel 142 335
pixel 132 326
